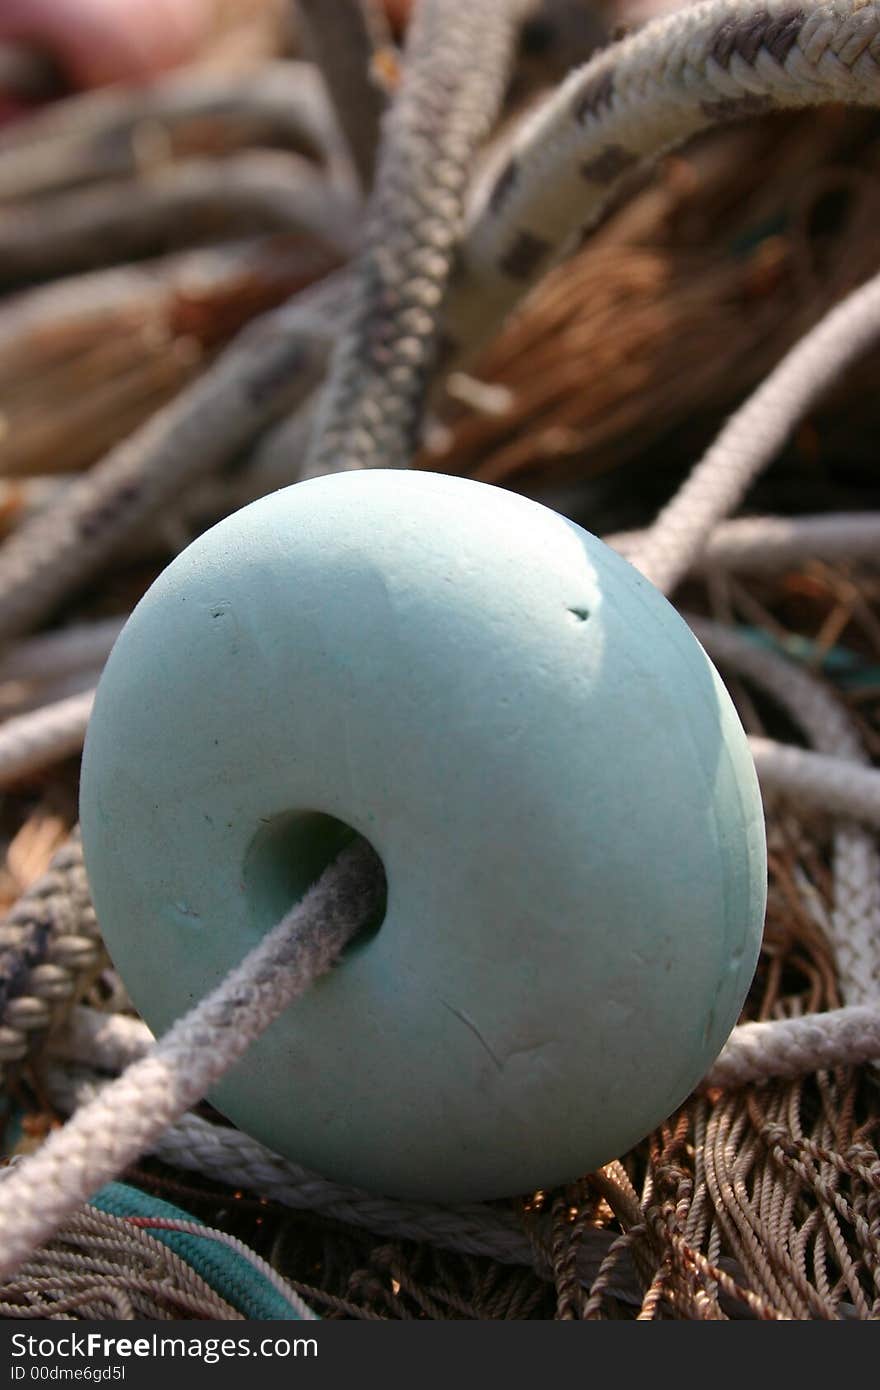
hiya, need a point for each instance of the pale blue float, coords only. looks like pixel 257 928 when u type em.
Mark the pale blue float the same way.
pixel 548 765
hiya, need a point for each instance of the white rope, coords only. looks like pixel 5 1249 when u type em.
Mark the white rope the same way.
pixel 109 1042
pixel 227 1155
pixel 106 1041
pixel 120 1123
pixel 771 544
pixel 30 742
pixel 61 653
pixel 794 1047
pixel 754 1052
pixel 855 920
pixel 454 72
pixel 754 434
pixel 93 135
pixel 679 75
pixel 833 785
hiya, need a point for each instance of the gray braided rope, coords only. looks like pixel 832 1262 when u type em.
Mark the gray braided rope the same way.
pixel 94 135
pixel 342 41
pixel 48 943
pixel 262 191
pixel 455 65
pixel 271 367
pixel 31 741
pixel 230 1156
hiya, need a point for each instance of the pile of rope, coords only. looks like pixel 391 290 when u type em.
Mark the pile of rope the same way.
pixel 760 1198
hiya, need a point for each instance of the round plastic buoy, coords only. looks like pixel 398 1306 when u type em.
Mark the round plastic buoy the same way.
pixel 549 768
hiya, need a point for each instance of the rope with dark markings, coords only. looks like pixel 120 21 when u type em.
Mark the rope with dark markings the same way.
pixel 702 66
pixel 455 68
pixel 48 942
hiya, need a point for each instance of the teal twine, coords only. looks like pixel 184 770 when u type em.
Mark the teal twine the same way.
pixel 846 668
pixel 229 1274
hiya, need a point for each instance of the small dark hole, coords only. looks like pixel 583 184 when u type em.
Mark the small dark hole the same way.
pixel 537 37
pixel 830 212
pixel 287 855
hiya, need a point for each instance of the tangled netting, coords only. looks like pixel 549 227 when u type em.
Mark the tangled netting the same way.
pixel 761 1197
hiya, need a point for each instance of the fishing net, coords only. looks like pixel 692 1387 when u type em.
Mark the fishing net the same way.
pixel 760 1198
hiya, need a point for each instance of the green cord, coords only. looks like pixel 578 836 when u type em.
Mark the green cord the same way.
pixel 846 668
pixel 229 1274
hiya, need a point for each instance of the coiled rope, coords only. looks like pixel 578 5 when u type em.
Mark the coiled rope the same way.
pixel 715 62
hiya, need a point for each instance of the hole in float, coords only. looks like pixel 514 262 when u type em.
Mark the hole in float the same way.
pixel 287 855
